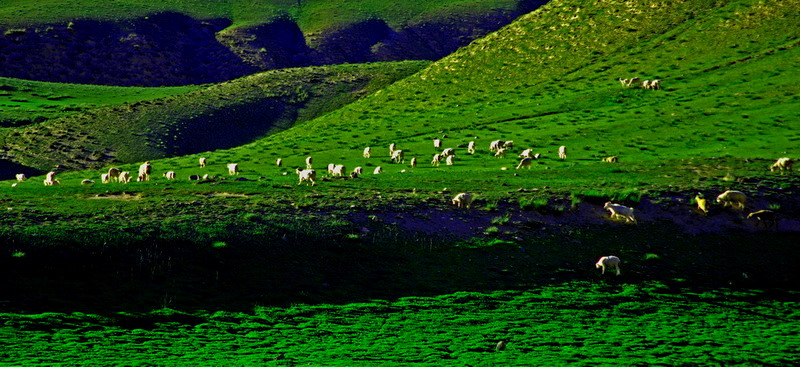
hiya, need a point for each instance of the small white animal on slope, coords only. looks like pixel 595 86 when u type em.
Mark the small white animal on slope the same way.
pixel 21 177
pixel 414 162
pixel 144 171
pixel 309 162
pixel 496 145
pixel 50 179
pixel 501 152
pixel 562 152
pixel 170 175
pixel 307 175
pixel 392 148
pixel 358 170
pixel 104 178
pixel 378 170
pixel 437 159
pixel 449 160
pixel 525 162
pixel 367 152
pixel 782 164
pixel 437 143
pixel 279 162
pixel 113 174
pixel 398 156
pixel 463 200
pixel 471 147
pixel 202 162
pixel 608 261
pixel 620 211
pixel 338 170
pixel 735 199
pixel 448 152
pixel 124 177
pixel 233 169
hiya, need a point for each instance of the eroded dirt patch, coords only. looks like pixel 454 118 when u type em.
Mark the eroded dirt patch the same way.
pixel 116 196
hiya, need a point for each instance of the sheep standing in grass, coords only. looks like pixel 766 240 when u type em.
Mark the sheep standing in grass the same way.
pixel 702 204
pixel 306 175
pixel 527 153
pixel 50 179
pixel 624 82
pixel 496 145
pixel 733 198
pixel 86 182
pixel 233 169
pixel 330 168
pixel 279 162
pixel 437 159
pixel 620 211
pixel 471 147
pixel 767 217
pixel 501 152
pixel 358 170
pixel 450 160
pixel 448 152
pixel 463 200
pixel 104 178
pixel 612 159
pixel 378 170
pixel 124 177
pixel 367 152
pixel 309 162
pixel 655 84
pixel 782 164
pixel 525 162
pixel 113 174
pixel 202 161
pixel 398 156
pixel 338 170
pixel 21 177
pixel 562 152
pixel 414 162
pixel 144 171
pixel 437 143
pixel 170 175
pixel 608 261
pixel 392 148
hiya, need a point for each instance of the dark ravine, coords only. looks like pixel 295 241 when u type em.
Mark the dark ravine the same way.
pixel 174 49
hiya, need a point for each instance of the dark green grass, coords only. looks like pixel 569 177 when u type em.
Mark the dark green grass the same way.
pixel 23 102
pixel 578 323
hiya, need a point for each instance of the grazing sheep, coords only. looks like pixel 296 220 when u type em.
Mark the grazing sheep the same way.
pixel 358 170
pixel 702 204
pixel 378 170
pixel 309 162
pixel 655 84
pixel 562 152
pixel 624 82
pixel 331 166
pixel 279 162
pixel 450 160
pixel 768 217
pixel 21 177
pixel 608 261
pixel 463 200
pixel 113 174
pixel 367 152
pixel 525 162
pixel 87 182
pixel 448 152
pixel 509 145
pixel 202 162
pixel 501 152
pixel 527 153
pixel 782 164
pixel 169 175
pixel 414 162
pixel 735 199
pixel 437 143
pixel 124 177
pixel 338 170
pixel 104 178
pixel 437 159
pixel 471 147
pixel 233 169
pixel 496 145
pixel 392 148
pixel 632 81
pixel 646 84
pixel 144 171
pixel 612 159
pixel 140 178
pixel 307 175
pixel 620 211
pixel 398 156
pixel 50 179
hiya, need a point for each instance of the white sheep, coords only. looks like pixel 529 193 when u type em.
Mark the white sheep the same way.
pixel 624 82
pixel 202 161
pixel 612 159
pixel 392 148
pixel 437 159
pixel 21 177
pixel 86 182
pixel 367 152
pixel 309 162
pixel 608 261
pixel 124 177
pixel 527 153
pixel 620 211
pixel 471 147
pixel 562 152
pixel 735 199
pixel 496 145
pixel 501 152
pixel 307 175
pixel 448 152
pixel 170 175
pixel 782 164
pixel 463 200
pixel 525 162
pixel 378 170
pixel 104 178
pixel 655 84
pixel 338 170
pixel 144 171
pixel 279 162
pixel 113 174
pixel 449 160
pixel 233 169
pixel 646 84
pixel 509 145
pixel 398 156
pixel 330 168
pixel 437 143
pixel 414 162
pixel 358 170
pixel 50 179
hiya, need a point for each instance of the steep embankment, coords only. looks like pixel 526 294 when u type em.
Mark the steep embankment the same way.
pixel 155 45
pixel 216 117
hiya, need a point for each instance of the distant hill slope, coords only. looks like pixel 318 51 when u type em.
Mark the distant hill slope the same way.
pixel 215 117
pixel 144 43
pixel 729 71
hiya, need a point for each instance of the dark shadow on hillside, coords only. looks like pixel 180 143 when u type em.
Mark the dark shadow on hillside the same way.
pixel 9 170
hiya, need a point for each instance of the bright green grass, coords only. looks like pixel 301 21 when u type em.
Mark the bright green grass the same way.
pixel 312 15
pixel 25 101
pixel 578 323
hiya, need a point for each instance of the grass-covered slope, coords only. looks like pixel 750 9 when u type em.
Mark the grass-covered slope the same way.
pixel 217 116
pixel 730 90
pixel 24 101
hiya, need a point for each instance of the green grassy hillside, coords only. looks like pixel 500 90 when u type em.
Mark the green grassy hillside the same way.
pixel 23 101
pixel 217 116
pixel 730 91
